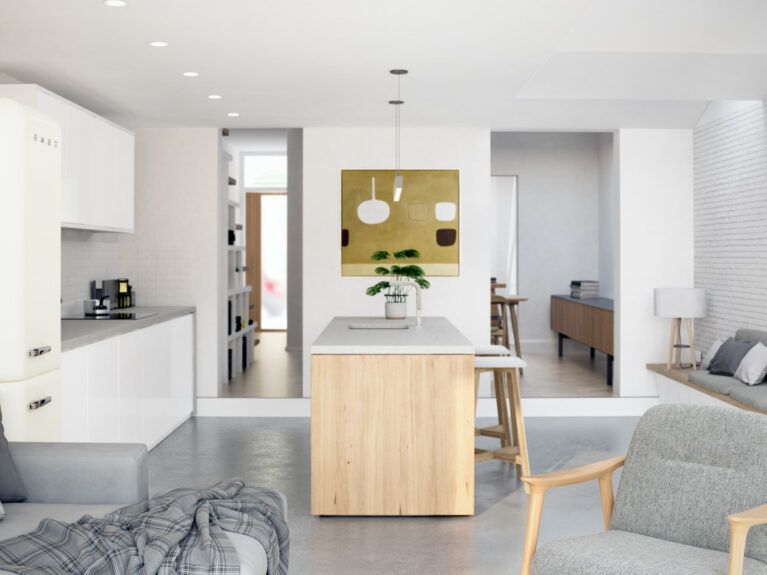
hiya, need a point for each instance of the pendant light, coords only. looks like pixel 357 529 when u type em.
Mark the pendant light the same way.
pixel 397 103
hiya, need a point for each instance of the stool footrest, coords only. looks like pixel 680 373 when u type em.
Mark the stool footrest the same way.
pixel 509 454
pixel 497 431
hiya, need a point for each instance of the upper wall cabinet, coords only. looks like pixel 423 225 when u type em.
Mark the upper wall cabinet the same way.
pixel 97 162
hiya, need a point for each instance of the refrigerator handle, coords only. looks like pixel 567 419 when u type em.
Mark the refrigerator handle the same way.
pixel 38 351
pixel 39 403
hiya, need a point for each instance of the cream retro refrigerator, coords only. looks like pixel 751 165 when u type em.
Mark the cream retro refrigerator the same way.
pixel 30 273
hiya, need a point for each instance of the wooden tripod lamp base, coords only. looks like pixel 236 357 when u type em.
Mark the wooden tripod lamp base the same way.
pixel 675 345
pixel 678 303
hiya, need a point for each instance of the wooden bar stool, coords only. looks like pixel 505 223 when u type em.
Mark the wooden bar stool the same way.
pixel 498 320
pixel 509 309
pixel 510 429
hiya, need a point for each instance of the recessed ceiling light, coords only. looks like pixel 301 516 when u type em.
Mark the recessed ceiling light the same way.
pixel 214 97
pixel 190 74
pixel 233 115
pixel 158 44
pixel 116 3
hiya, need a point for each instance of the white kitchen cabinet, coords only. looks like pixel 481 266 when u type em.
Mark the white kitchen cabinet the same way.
pixel 133 388
pixel 182 360
pixel 74 396
pixel 103 395
pixel 97 162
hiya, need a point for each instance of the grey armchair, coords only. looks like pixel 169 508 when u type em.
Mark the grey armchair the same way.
pixel 689 472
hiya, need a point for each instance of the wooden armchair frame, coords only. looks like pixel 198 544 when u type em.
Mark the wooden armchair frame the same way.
pixel 602 471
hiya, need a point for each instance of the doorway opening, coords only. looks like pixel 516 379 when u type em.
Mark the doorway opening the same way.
pixel 552 197
pixel 269 196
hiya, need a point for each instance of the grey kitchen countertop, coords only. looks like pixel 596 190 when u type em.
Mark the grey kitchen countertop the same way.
pixel 436 336
pixel 81 332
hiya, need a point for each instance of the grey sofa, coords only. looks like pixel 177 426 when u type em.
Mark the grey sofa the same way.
pixel 754 396
pixel 689 469
pixel 68 480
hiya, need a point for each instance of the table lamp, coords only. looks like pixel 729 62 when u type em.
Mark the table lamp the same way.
pixel 678 303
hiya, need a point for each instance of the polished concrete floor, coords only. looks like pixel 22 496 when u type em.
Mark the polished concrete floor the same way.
pixel 274 452
pixel 274 372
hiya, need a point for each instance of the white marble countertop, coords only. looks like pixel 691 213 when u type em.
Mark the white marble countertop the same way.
pixel 80 332
pixel 436 336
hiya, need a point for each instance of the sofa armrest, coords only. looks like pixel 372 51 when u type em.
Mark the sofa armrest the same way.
pixel 82 473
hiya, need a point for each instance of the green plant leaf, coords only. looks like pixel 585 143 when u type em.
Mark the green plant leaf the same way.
pixel 411 271
pixel 408 253
pixel 376 289
pixel 381 271
pixel 424 283
pixel 379 255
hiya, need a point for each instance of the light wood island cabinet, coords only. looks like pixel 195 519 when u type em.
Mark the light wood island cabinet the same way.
pixel 392 420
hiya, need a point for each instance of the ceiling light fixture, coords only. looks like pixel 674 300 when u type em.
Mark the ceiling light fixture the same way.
pixel 214 97
pixel 158 44
pixel 397 103
pixel 116 3
pixel 233 115
pixel 190 74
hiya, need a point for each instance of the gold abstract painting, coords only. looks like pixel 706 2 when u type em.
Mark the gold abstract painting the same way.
pixel 426 219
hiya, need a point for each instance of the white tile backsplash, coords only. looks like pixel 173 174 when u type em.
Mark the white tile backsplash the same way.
pixel 87 256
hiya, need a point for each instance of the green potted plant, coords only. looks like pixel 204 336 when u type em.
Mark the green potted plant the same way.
pixel 396 293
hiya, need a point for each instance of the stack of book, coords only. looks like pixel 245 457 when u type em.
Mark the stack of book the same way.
pixel 584 289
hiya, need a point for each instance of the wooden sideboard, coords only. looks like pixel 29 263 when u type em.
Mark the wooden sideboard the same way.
pixel 588 321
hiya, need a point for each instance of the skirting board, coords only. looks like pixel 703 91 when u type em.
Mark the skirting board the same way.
pixel 531 407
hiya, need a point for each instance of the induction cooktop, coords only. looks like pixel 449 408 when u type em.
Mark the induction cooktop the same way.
pixel 115 315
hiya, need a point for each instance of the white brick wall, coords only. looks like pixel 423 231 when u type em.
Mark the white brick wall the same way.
pixel 731 222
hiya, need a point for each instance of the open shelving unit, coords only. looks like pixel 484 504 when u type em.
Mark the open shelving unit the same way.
pixel 240 335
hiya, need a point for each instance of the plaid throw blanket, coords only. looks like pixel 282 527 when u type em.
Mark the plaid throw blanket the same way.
pixel 181 532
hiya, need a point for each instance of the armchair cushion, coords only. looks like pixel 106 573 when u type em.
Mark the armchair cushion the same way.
pixel 687 469
pixel 621 553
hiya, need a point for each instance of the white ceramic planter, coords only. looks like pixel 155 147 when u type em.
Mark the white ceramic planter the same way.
pixel 396 310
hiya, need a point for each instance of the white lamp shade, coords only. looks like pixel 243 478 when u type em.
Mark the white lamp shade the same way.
pixel 681 302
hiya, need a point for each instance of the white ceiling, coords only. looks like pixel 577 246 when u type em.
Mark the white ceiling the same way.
pixel 503 64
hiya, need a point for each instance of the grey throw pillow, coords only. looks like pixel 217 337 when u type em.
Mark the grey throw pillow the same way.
pixel 753 367
pixel 729 356
pixel 706 361
pixel 11 488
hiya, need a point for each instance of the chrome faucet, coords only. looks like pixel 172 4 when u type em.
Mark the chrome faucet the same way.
pixel 418 297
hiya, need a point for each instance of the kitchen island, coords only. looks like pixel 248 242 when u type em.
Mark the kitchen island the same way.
pixel 392 427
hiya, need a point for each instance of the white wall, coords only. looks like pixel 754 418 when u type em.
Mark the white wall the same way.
pixel 295 238
pixel 655 247
pixel 174 255
pixel 607 215
pixel 463 300
pixel 730 219
pixel 558 213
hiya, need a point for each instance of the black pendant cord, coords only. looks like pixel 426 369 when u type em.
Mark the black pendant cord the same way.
pixel 397 103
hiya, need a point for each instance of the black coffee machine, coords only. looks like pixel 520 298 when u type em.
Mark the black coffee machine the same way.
pixel 119 292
